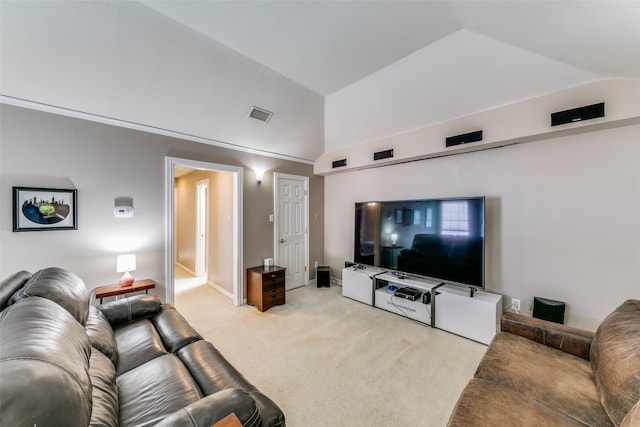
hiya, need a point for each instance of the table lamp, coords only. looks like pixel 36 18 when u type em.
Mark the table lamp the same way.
pixel 125 264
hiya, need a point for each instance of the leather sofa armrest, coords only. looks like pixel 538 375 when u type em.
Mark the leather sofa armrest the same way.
pixel 568 339
pixel 127 310
pixel 211 409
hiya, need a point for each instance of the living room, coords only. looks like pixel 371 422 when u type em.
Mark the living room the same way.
pixel 101 115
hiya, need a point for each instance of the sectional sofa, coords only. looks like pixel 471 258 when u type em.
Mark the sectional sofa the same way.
pixel 131 362
pixel 538 373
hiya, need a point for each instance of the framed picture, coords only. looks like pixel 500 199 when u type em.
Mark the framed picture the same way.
pixel 417 216
pixel 40 209
pixel 399 216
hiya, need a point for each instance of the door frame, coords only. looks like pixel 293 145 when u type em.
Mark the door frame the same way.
pixel 202 226
pixel 276 226
pixel 170 164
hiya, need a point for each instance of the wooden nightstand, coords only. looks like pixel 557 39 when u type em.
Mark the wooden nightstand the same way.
pixel 265 286
pixel 113 290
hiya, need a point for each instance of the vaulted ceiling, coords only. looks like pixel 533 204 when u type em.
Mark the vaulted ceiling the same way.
pixel 334 73
pixel 389 66
pixel 328 45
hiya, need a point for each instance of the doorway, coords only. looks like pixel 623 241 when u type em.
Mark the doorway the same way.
pixel 234 218
pixel 202 217
pixel 291 237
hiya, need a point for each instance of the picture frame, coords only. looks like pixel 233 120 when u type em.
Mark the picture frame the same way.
pixel 399 216
pixel 42 209
pixel 417 216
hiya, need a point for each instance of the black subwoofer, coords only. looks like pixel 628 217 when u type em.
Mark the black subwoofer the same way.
pixel 323 276
pixel 548 309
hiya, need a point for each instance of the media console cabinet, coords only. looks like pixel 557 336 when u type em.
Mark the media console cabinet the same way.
pixel 446 307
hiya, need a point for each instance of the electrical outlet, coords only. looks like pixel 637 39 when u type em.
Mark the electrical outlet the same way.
pixel 315 264
pixel 530 308
pixel 515 304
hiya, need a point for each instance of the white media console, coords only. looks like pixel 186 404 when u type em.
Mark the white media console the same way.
pixel 450 307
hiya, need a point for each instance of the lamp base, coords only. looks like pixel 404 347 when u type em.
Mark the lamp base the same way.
pixel 126 280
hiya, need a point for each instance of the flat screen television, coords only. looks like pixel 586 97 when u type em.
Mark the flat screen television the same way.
pixel 441 239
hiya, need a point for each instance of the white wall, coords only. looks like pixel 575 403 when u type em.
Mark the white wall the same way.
pixel 562 215
pixel 103 162
pixel 123 60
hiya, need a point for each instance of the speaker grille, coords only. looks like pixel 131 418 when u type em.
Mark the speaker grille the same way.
pixel 577 114
pixel 339 163
pixel 379 155
pixel 464 138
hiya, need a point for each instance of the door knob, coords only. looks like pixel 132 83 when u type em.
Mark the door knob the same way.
pixel 282 240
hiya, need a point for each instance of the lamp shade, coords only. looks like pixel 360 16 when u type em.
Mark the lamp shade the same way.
pixel 126 263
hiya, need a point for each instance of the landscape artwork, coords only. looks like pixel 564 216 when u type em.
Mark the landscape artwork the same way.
pixel 39 209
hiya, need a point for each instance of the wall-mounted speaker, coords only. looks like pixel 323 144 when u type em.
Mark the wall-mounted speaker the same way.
pixel 464 138
pixel 339 163
pixel 577 114
pixel 379 155
pixel 548 309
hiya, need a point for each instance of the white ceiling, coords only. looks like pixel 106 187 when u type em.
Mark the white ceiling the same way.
pixel 335 73
pixel 329 45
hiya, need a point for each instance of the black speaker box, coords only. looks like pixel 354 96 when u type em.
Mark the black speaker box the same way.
pixel 464 138
pixel 548 309
pixel 379 155
pixel 339 163
pixel 577 114
pixel 323 276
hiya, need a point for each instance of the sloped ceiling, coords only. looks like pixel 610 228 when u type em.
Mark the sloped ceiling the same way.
pixel 335 73
pixel 390 66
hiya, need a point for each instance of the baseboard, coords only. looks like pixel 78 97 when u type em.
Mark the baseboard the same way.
pixel 221 290
pixel 185 268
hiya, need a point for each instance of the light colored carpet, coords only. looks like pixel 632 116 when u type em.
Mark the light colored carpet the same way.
pixel 327 360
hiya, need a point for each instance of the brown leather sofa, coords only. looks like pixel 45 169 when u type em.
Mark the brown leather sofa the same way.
pixel 131 362
pixel 539 373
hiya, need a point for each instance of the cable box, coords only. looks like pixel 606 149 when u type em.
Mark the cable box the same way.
pixel 412 294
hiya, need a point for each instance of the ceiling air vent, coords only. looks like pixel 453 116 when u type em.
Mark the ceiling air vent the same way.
pixel 260 114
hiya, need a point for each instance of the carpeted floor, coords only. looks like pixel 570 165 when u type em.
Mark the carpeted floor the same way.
pixel 327 360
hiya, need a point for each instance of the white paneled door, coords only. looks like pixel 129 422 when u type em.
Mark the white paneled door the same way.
pixel 291 233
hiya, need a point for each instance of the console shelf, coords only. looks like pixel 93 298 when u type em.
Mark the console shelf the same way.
pixel 386 300
pixel 450 308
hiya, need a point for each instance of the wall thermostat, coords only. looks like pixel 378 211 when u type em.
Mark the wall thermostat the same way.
pixel 123 207
pixel 123 211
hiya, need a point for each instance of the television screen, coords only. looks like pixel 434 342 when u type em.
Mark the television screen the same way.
pixel 438 238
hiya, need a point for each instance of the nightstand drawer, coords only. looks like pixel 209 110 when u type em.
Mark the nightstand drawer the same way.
pixel 270 287
pixel 272 278
pixel 274 296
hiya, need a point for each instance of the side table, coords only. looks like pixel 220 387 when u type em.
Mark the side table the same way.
pixel 114 290
pixel 265 286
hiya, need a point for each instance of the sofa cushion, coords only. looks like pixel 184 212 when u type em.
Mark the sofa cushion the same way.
pixel 126 310
pixel 552 377
pixel 161 386
pixel 210 369
pixel 174 330
pixel 44 361
pixel 633 417
pixel 213 372
pixel 485 403
pixel 137 342
pixel 105 411
pixel 211 409
pixel 615 360
pixel 101 335
pixel 62 287
pixel 10 286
